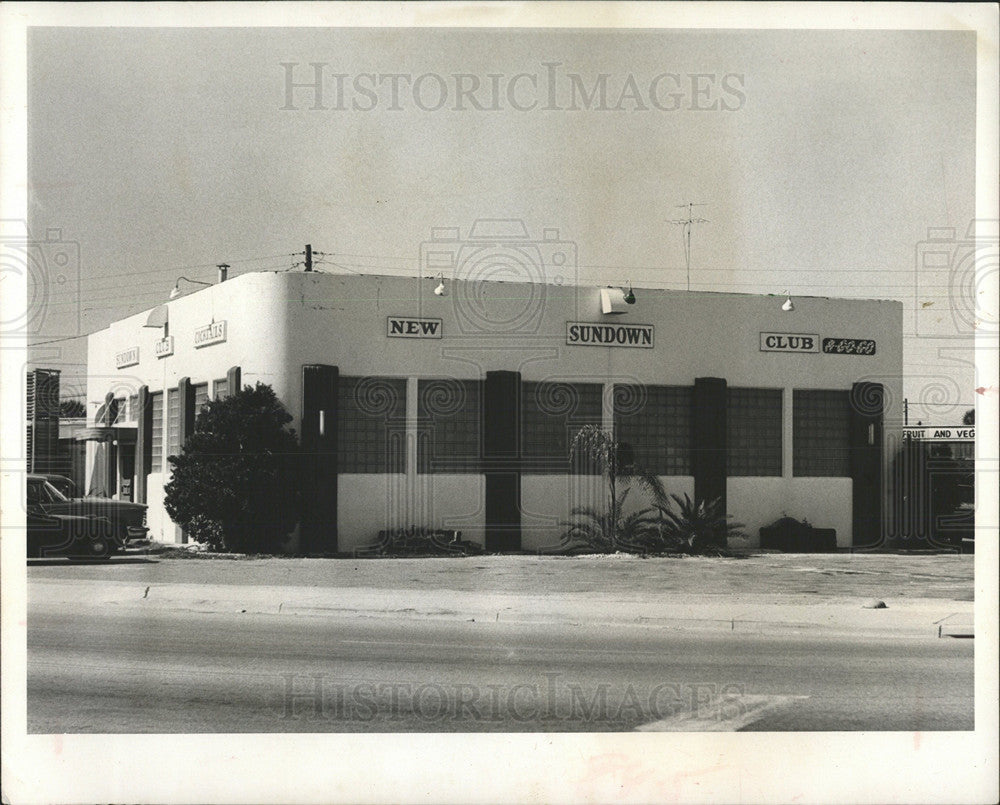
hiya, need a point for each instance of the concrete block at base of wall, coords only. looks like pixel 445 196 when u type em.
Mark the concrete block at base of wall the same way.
pixel 791 536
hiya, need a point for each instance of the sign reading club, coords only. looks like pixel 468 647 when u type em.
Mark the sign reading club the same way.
pixel 789 342
pixel 609 335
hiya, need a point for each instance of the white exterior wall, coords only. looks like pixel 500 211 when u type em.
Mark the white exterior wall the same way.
pixel 278 322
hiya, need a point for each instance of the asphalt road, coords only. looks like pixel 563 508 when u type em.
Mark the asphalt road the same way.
pixel 98 670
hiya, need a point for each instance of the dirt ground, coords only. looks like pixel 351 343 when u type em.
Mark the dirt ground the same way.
pixel 801 575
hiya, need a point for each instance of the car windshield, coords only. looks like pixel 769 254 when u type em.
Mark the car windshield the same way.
pixel 54 494
pixel 64 485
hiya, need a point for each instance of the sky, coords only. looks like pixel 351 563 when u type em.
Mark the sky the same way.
pixel 822 159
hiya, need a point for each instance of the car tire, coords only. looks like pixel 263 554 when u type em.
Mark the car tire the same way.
pixel 97 548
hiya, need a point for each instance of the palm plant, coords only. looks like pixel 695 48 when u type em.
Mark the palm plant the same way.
pixel 696 526
pixel 611 529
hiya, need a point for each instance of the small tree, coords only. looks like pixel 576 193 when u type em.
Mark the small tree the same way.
pixel 970 417
pixel 610 529
pixel 234 484
pixel 71 409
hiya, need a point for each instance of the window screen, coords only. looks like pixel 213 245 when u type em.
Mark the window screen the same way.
pixel 551 415
pixel 653 426
pixel 156 449
pixel 821 433
pixel 448 425
pixel 133 408
pixel 200 397
pixel 173 422
pixel 753 431
pixel 371 424
pixel 220 388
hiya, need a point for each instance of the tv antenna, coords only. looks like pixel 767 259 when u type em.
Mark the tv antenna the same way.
pixel 686 224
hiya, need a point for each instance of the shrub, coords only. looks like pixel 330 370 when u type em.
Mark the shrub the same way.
pixel 696 526
pixel 235 483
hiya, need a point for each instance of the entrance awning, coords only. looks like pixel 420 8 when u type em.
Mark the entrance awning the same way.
pixel 122 435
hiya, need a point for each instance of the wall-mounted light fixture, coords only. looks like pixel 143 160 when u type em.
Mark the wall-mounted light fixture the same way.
pixel 788 305
pixel 440 290
pixel 177 286
pixel 616 300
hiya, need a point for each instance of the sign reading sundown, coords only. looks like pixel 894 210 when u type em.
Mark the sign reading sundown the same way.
pixel 610 335
pixel 127 357
pixel 214 333
pixel 413 328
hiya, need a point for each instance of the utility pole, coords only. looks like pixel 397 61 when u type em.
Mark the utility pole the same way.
pixel 309 257
pixel 686 223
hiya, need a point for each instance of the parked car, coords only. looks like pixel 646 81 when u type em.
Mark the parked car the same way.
pixel 63 484
pixel 67 535
pixel 127 519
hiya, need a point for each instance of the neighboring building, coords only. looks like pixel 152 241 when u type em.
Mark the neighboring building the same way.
pixel 457 410
pixel 934 473
pixel 42 445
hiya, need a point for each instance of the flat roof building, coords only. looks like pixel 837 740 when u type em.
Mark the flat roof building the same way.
pixel 456 410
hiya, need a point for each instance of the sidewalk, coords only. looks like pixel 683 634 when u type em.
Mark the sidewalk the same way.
pixel 749 613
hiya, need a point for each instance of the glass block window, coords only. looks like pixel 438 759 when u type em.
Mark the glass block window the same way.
pixel 200 397
pixel 156 448
pixel 551 415
pixel 120 413
pixel 220 388
pixel 821 433
pixel 753 431
pixel 371 425
pixel 653 426
pixel 173 422
pixel 448 425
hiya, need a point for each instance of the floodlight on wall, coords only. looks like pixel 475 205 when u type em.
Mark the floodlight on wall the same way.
pixel 177 286
pixel 788 305
pixel 440 290
pixel 615 301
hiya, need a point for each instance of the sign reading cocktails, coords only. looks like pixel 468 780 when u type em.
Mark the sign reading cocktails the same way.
pixel 609 335
pixel 214 333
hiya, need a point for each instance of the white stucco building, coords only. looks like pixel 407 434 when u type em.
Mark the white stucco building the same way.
pixel 456 410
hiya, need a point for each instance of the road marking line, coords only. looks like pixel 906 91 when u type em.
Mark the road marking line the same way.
pixel 747 709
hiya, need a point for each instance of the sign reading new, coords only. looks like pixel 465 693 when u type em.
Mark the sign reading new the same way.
pixel 127 357
pixel 789 342
pixel 413 328
pixel 214 333
pixel 609 335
